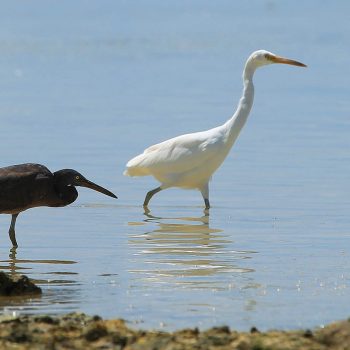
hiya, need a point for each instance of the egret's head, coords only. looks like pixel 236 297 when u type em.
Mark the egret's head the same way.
pixel 262 57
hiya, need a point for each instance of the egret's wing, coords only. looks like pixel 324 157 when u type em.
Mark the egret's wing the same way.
pixel 176 155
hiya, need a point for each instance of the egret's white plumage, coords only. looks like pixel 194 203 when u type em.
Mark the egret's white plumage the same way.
pixel 188 161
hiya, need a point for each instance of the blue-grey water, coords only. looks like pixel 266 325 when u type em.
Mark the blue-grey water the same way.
pixel 88 85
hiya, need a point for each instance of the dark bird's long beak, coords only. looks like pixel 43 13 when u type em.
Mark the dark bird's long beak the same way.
pixel 93 186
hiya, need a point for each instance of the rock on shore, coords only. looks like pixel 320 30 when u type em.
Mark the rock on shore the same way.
pixel 17 285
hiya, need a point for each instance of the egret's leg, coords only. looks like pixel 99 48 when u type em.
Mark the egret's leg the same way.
pixel 150 194
pixel 12 232
pixel 205 193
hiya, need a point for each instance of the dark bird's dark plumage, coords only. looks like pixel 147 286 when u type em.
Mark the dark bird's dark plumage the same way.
pixel 30 185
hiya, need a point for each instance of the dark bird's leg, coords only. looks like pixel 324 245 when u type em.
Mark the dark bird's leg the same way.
pixel 205 193
pixel 12 261
pixel 150 194
pixel 12 232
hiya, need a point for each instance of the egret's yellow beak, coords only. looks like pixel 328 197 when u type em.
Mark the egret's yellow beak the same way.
pixel 278 59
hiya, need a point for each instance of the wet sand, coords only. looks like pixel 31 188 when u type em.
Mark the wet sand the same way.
pixel 79 331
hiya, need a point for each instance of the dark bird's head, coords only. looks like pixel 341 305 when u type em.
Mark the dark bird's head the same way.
pixel 70 177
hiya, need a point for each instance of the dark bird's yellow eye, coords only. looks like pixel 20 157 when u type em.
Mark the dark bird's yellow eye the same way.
pixel 77 177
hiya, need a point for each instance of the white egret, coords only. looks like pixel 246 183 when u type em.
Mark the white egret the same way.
pixel 188 161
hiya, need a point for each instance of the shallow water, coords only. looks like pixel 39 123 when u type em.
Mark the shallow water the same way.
pixel 89 85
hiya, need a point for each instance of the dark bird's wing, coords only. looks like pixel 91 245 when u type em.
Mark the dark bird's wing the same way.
pixel 24 186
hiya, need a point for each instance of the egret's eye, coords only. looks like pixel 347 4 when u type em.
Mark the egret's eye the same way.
pixel 77 177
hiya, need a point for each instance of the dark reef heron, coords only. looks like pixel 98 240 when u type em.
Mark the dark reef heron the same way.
pixel 29 185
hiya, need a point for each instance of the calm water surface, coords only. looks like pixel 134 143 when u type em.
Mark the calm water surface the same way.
pixel 89 85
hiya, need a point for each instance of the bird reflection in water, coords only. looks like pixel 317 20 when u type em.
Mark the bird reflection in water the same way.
pixel 63 293
pixel 15 266
pixel 185 251
pixel 11 265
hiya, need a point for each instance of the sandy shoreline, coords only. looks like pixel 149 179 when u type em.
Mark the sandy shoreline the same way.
pixel 79 331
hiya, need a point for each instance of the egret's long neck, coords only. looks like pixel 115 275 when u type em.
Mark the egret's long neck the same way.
pixel 235 124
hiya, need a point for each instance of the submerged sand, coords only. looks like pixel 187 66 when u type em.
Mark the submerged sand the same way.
pixel 80 331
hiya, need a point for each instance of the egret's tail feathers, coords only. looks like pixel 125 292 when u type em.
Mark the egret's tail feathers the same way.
pixel 136 172
pixel 137 166
pixel 134 167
